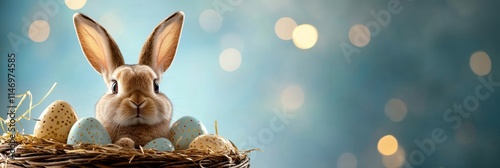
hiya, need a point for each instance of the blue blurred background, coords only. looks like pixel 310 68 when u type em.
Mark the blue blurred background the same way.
pixel 386 83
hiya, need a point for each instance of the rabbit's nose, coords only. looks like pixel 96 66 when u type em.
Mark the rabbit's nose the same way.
pixel 137 105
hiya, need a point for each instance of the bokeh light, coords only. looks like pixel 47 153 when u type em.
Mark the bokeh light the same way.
pixel 480 63
pixel 396 110
pixel 292 97
pixel 230 59
pixel 75 4
pixel 112 23
pixel 347 160
pixel 387 145
pixel 39 31
pixel 335 76
pixel 359 35
pixel 395 160
pixel 305 36
pixel 210 21
pixel 284 28
pixel 466 133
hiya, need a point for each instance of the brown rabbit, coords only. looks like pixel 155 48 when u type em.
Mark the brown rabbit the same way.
pixel 133 110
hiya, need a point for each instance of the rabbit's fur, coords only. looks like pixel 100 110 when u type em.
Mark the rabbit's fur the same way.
pixel 133 111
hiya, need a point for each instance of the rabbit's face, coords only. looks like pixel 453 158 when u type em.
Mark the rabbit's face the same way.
pixel 133 96
pixel 133 93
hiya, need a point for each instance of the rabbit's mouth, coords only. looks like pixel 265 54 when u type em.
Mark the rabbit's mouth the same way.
pixel 137 107
pixel 138 120
pixel 138 114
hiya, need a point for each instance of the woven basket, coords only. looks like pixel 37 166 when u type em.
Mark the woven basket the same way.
pixel 35 152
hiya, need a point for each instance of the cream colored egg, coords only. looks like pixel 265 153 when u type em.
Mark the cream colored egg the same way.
pixel 215 143
pixel 56 121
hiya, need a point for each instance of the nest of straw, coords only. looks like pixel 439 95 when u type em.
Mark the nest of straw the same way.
pixel 35 152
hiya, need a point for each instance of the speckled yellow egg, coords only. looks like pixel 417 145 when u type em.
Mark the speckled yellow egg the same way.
pixel 55 121
pixel 213 142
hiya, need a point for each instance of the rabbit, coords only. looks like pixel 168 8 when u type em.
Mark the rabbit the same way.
pixel 133 110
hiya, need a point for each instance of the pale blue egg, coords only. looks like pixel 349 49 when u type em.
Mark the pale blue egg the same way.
pixel 160 144
pixel 184 130
pixel 88 131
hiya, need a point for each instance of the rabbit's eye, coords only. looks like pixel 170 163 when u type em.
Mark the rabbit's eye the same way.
pixel 114 87
pixel 156 86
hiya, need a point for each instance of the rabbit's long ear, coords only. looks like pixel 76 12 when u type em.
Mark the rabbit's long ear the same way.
pixel 99 48
pixel 160 47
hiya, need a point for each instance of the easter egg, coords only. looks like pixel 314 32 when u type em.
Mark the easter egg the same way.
pixel 184 130
pixel 212 142
pixel 55 121
pixel 160 144
pixel 88 131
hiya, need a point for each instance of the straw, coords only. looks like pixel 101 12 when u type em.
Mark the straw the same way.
pixel 34 151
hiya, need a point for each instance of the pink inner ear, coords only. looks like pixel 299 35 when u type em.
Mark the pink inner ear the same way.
pixel 164 46
pixel 93 39
pixel 168 46
pixel 160 53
